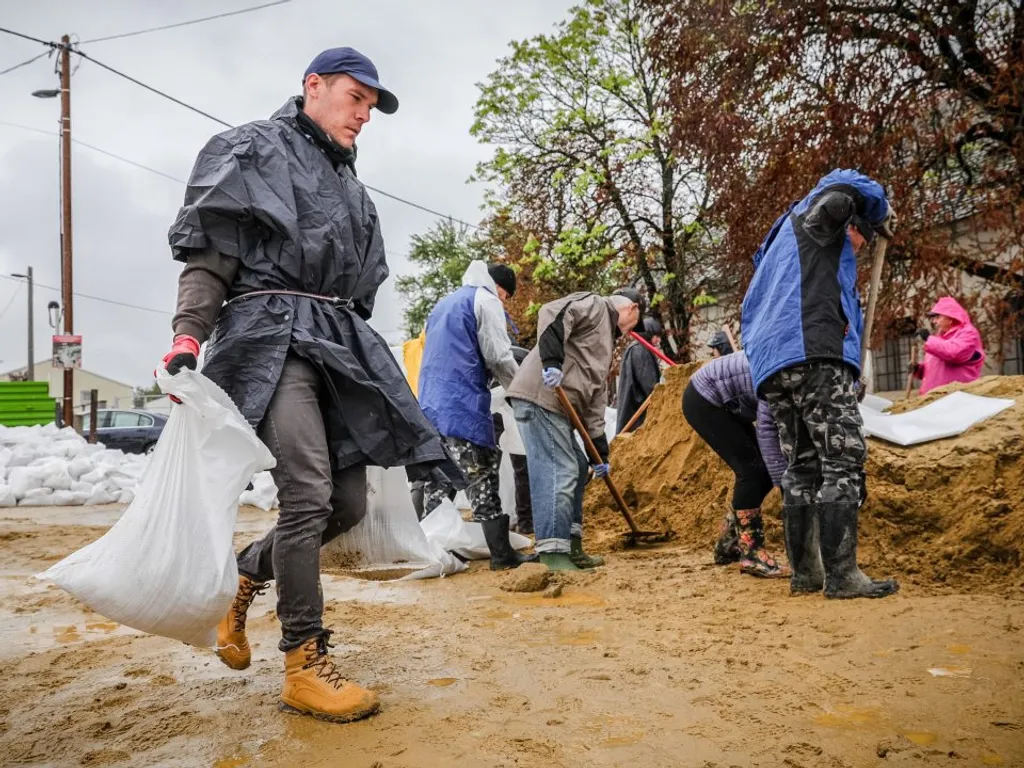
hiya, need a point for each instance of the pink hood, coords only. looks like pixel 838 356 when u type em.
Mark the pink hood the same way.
pixel 956 355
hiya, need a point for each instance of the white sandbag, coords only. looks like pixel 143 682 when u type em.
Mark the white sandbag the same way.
pixel 478 549
pixel 263 494
pixel 68 499
pixel 167 566
pixel 126 496
pixel 79 487
pixel 100 495
pixel 79 466
pixel 97 475
pixel 390 535
pixel 25 479
pixel 445 528
pixel 7 497
pixel 36 497
pixel 57 479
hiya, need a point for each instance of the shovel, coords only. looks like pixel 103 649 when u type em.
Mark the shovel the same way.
pixel 635 535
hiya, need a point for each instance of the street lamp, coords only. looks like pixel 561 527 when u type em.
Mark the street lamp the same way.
pixel 51 93
pixel 30 371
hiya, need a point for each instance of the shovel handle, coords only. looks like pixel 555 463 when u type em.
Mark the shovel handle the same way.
pixel 595 457
pixel 910 375
pixel 636 416
pixel 653 349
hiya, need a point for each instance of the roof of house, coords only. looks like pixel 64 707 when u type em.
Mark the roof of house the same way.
pixel 21 370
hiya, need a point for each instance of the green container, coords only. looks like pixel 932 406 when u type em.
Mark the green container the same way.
pixel 25 403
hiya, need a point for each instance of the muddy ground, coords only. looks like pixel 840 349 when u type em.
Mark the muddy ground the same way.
pixel 658 659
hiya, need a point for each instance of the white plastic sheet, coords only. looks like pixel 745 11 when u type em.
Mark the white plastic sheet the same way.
pixel 946 417
pixel 167 566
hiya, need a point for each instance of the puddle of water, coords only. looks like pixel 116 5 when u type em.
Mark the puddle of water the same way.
pixel 991 758
pixel 497 613
pixel 848 717
pixel 230 762
pixel 366 591
pixel 102 626
pixel 921 738
pixel 585 637
pixel 66 634
pixel 623 741
pixel 959 649
pixel 442 682
pixel 566 599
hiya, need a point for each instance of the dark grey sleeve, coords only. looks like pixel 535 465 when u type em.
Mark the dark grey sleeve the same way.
pixel 202 289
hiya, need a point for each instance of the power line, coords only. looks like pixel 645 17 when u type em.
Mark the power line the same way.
pixel 223 122
pixel 25 63
pixel 109 68
pixel 184 23
pixel 229 125
pixel 13 297
pixel 29 37
pixel 94 148
pixel 98 298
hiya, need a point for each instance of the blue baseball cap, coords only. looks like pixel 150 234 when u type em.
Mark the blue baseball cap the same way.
pixel 351 62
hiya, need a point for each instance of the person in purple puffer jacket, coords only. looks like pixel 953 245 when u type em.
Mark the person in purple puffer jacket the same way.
pixel 722 407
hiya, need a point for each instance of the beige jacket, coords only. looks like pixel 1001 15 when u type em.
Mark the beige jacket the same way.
pixel 576 334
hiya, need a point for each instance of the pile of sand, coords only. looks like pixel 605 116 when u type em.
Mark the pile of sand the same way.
pixel 947 512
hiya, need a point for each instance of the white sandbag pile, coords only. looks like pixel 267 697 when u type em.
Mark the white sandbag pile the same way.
pixel 47 466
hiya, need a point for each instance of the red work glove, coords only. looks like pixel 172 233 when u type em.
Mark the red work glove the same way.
pixel 184 354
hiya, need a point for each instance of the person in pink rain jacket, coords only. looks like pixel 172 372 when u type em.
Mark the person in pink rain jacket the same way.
pixel 953 352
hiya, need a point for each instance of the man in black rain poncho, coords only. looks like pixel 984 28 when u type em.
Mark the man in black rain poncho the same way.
pixel 639 374
pixel 276 224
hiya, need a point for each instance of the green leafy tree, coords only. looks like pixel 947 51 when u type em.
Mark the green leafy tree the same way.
pixel 442 256
pixel 581 160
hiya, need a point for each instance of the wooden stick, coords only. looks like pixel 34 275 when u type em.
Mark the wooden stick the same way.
pixel 731 338
pixel 910 375
pixel 878 262
pixel 595 457
pixel 639 412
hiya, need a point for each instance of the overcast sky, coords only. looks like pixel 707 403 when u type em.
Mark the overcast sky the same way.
pixel 430 53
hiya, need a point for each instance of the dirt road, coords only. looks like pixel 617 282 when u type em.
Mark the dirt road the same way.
pixel 659 659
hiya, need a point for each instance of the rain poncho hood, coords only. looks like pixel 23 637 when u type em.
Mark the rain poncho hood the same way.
pixel 802 303
pixel 269 195
pixel 956 355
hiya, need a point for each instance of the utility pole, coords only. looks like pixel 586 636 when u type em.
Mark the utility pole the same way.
pixel 30 370
pixel 66 274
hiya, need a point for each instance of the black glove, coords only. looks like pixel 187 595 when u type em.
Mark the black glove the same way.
pixel 922 334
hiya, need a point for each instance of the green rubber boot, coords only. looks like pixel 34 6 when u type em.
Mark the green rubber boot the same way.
pixel 558 561
pixel 580 558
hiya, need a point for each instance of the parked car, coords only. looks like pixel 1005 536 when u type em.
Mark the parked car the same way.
pixel 130 431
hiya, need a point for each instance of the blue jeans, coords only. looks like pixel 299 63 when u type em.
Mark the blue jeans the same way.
pixel 558 475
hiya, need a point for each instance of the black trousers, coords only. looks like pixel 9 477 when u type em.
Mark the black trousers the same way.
pixel 735 440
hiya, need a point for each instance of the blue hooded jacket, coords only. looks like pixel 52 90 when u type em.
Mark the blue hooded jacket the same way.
pixel 802 303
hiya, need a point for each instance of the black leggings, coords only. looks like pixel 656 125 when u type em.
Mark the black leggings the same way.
pixel 734 439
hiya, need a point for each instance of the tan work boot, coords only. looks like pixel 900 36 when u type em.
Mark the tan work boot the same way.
pixel 232 644
pixel 314 686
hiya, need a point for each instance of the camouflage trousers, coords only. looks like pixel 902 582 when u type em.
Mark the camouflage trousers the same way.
pixel 481 467
pixel 815 408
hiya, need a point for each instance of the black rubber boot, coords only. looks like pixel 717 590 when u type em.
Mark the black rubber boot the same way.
pixel 843 579
pixel 727 548
pixel 803 548
pixel 503 556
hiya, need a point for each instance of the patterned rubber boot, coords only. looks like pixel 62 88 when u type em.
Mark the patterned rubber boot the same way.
pixel 754 558
pixel 727 548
